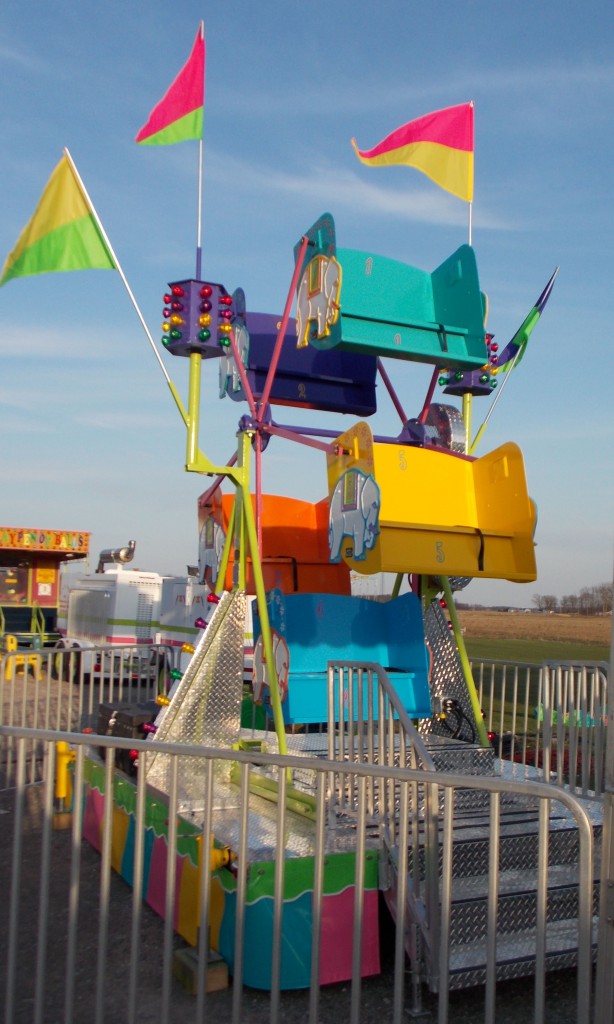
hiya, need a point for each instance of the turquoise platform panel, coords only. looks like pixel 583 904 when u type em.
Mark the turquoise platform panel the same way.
pixel 319 628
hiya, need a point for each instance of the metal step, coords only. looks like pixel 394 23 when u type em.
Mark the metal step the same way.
pixel 515 953
pixel 516 904
pixel 518 841
pixel 518 852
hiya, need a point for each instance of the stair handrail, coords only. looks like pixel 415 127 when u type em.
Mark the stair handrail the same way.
pixel 397 744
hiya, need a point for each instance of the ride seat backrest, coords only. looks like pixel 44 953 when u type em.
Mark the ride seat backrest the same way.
pixel 319 628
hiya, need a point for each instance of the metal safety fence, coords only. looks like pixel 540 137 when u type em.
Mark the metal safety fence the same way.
pixel 552 717
pixel 63 689
pixel 79 944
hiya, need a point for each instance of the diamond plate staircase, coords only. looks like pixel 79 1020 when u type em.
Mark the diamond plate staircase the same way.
pixel 517 891
pixel 469 911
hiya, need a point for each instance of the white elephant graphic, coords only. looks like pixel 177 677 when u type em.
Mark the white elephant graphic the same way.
pixel 354 513
pixel 260 678
pixel 230 381
pixel 317 298
pixel 210 547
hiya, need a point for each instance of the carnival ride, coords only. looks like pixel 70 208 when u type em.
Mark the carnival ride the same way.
pixel 420 505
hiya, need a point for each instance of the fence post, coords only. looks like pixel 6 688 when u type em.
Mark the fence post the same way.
pixel 604 992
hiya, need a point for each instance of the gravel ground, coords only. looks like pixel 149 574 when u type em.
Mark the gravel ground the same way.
pixel 514 1005
pixel 514 999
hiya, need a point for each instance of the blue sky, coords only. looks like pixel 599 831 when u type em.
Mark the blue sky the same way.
pixel 91 439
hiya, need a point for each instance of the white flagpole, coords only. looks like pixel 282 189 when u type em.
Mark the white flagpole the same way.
pixel 125 281
pixel 200 212
pixel 200 180
pixel 116 261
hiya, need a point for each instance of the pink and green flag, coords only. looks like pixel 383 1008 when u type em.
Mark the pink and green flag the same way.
pixel 179 114
pixel 438 144
pixel 63 233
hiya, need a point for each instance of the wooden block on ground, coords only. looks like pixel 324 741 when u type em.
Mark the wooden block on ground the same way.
pixel 185 969
pixel 62 820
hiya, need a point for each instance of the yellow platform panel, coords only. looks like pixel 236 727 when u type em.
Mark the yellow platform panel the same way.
pixel 398 508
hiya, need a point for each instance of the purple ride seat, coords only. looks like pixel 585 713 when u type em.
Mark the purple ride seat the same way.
pixel 333 381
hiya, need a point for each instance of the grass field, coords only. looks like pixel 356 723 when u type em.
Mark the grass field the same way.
pixel 532 637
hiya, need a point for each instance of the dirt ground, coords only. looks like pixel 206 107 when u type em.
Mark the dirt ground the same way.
pixel 590 629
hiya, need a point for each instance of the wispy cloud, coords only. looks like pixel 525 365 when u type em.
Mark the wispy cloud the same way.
pixel 16 55
pixel 59 345
pixel 326 185
pixel 386 93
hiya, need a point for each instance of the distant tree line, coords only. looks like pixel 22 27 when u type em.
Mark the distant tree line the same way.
pixel 595 600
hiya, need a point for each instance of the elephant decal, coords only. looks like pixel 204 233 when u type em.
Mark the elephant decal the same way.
pixel 317 298
pixel 354 513
pixel 230 380
pixel 260 678
pixel 210 547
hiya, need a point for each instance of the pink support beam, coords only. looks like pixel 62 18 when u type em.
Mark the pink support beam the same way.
pixel 429 396
pixel 282 331
pixel 395 400
pixel 258 443
pixel 242 374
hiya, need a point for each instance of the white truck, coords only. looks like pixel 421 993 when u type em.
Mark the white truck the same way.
pixel 129 610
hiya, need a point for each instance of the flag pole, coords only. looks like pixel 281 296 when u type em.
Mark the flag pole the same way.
pixel 477 437
pixel 120 271
pixel 200 211
pixel 200 181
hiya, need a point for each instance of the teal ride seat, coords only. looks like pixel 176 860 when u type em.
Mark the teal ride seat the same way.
pixel 361 302
pixel 389 308
pixel 319 628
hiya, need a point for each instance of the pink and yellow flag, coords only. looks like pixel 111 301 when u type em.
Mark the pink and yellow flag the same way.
pixel 63 233
pixel 438 144
pixel 179 114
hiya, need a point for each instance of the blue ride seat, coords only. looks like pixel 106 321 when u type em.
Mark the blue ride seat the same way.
pixel 319 628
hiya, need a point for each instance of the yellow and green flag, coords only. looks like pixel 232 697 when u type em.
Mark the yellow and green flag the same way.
pixel 63 233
